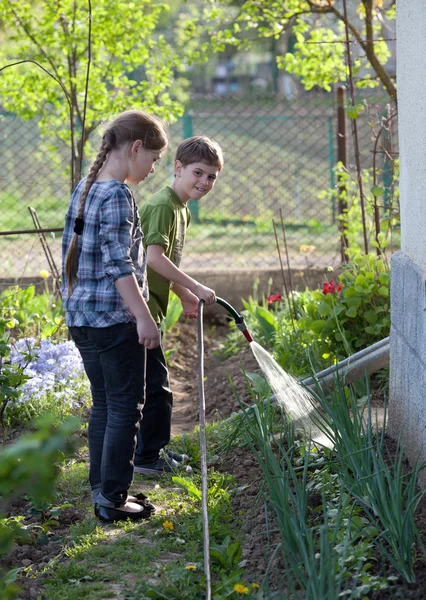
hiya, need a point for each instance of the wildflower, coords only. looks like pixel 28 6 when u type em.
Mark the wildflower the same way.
pixel 339 287
pixel 326 287
pixel 240 589
pixel 255 586
pixel 328 269
pixel 274 298
pixel 44 274
pixel 305 248
pixel 168 525
pixel 190 567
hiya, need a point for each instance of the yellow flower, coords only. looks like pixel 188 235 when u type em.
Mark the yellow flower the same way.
pixel 168 525
pixel 44 274
pixel 255 586
pixel 328 269
pixel 190 567
pixel 240 589
pixel 306 248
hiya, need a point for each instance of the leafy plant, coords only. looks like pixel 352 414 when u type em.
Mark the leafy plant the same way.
pixel 121 61
pixel 30 466
pixel 353 313
pixel 29 314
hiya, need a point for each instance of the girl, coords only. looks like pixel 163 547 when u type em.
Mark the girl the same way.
pixel 105 294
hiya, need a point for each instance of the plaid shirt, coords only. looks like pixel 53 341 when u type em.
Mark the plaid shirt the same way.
pixel 109 248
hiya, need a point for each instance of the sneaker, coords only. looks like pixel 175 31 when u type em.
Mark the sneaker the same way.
pixel 180 458
pixel 159 467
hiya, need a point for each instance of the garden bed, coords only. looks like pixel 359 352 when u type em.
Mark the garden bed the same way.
pixel 73 561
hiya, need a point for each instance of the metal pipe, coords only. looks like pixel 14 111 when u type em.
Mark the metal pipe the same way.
pixel 203 452
pixel 366 361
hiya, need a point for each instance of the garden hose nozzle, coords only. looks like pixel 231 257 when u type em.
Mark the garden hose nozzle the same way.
pixel 239 320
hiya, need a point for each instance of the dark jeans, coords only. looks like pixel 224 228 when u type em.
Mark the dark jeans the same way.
pixel 115 365
pixel 156 423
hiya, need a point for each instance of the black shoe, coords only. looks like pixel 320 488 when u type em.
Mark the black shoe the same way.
pixel 110 515
pixel 158 467
pixel 180 458
pixel 143 501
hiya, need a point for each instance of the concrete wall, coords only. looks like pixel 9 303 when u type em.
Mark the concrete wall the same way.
pixel 407 409
pixel 235 284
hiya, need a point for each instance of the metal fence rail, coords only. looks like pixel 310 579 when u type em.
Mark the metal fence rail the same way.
pixel 278 155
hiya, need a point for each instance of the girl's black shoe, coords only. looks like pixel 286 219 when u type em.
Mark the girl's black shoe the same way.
pixel 109 514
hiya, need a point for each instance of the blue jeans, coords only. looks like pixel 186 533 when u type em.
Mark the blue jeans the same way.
pixel 156 423
pixel 114 362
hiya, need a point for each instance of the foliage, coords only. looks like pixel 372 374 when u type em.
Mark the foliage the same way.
pixel 29 314
pixel 335 509
pixel 353 314
pixel 30 466
pixel 384 198
pixel 132 64
pixel 321 326
pixel 316 53
pixel 388 496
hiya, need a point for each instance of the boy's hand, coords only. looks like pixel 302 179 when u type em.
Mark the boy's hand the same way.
pixel 205 293
pixel 148 332
pixel 190 305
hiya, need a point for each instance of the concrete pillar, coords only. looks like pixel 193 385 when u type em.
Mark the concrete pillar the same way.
pixel 407 408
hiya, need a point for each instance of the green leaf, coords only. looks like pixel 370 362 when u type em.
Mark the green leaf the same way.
pixel 351 312
pixel 318 326
pixel 324 309
pixel 371 316
pixel 188 486
pixel 384 291
pixel 376 190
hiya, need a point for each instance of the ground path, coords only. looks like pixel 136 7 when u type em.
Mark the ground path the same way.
pixel 220 399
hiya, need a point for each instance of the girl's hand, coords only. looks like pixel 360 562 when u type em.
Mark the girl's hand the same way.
pixel 148 332
pixel 205 293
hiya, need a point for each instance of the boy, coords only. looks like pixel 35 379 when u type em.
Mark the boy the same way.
pixel 164 219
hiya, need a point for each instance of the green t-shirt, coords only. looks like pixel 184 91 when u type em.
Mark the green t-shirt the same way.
pixel 164 219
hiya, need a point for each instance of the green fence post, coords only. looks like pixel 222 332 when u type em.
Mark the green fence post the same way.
pixel 332 161
pixel 187 130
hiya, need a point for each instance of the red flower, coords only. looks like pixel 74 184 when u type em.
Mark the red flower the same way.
pixel 274 298
pixel 329 287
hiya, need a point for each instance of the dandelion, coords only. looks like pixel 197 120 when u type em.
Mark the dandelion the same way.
pixel 274 298
pixel 240 589
pixel 168 525
pixel 190 567
pixel 44 274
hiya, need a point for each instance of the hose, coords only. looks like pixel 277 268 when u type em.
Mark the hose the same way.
pixel 239 319
pixel 203 451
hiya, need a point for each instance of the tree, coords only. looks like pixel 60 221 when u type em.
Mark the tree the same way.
pixel 71 65
pixel 317 27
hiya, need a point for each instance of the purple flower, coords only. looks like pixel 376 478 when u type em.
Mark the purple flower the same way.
pixel 55 370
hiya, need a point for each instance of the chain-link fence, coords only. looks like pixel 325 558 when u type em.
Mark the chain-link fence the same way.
pixel 278 155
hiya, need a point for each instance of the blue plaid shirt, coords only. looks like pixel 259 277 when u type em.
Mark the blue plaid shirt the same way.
pixel 109 248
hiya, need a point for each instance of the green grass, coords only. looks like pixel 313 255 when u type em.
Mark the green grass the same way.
pixel 139 560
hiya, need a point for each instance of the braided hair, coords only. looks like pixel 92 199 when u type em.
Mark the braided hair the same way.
pixel 128 127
